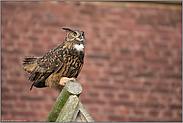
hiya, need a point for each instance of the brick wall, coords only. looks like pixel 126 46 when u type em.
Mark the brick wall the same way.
pixel 132 69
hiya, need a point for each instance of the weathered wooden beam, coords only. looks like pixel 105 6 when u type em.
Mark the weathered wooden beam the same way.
pixel 74 111
pixel 71 88
pixel 68 110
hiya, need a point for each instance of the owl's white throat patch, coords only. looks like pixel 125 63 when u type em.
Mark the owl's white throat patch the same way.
pixel 79 47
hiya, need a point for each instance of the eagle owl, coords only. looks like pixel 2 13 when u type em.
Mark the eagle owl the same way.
pixel 61 63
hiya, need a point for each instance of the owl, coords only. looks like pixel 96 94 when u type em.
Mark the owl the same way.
pixel 60 64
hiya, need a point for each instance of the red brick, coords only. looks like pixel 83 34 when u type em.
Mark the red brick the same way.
pixel 100 102
pixel 16 90
pixel 175 106
pixel 48 107
pixel 122 103
pixel 107 87
pixel 93 94
pixel 138 97
pixel 20 105
pixel 15 74
pixel 148 83
pixel 88 9
pixel 124 112
pixel 108 95
pixel 141 119
pixel 32 98
pixel 48 91
pixel 135 89
pixel 93 109
pixel 85 85
pixel 149 75
pixel 44 115
pixel 153 105
pixel 23 44
pixel 6 105
pixel 14 36
pixel 139 112
pixel 103 57
pixel 13 82
pixel 8 97
pixel 115 118
pixel 152 98
pixel 179 114
pixel 86 101
pixel 32 38
pixel 54 24
pixel 167 114
pixel 37 31
pixel 178 62
pixel 4 112
pixel 13 59
pixel 119 81
pixel 104 80
pixel 23 113
pixel 37 52
pixel 172 76
pixel 176 85
pixel 11 51
pixel 22 82
pixel 7 43
pixel 35 106
pixel 153 113
pixel 140 53
pixel 155 60
pixel 122 96
pixel 8 6
pixel 5 90
pixel 175 46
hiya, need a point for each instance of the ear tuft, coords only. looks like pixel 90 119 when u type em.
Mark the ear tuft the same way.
pixel 67 29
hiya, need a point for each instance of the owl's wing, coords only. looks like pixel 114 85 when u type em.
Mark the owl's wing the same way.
pixel 51 62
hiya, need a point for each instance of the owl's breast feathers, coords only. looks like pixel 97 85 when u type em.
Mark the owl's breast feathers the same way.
pixel 65 60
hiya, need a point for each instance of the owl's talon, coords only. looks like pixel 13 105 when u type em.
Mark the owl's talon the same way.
pixel 76 78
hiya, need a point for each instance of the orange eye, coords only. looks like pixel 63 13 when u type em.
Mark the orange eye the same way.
pixel 74 34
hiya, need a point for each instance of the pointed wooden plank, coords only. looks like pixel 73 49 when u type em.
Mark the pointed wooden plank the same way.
pixel 81 114
pixel 68 110
pixel 84 115
pixel 80 117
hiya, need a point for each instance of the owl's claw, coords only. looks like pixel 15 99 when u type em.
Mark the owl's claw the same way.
pixel 76 78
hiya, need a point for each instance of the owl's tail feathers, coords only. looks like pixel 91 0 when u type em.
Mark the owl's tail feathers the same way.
pixel 29 63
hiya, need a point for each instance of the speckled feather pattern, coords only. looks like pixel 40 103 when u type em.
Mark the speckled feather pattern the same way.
pixel 62 61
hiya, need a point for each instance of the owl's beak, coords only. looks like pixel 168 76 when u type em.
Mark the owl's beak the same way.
pixel 80 37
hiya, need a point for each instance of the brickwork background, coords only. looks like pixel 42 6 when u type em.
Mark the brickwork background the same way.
pixel 132 69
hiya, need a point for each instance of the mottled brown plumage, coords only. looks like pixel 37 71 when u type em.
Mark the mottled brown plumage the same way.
pixel 66 60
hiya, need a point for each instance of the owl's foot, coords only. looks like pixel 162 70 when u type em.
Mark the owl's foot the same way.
pixel 64 80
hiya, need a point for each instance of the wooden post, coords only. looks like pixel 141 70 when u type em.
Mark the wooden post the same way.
pixel 71 88
pixel 68 107
pixel 68 110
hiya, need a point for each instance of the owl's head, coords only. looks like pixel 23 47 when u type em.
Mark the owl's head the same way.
pixel 75 35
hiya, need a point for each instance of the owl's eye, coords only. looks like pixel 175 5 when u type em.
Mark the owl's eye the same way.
pixel 74 34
